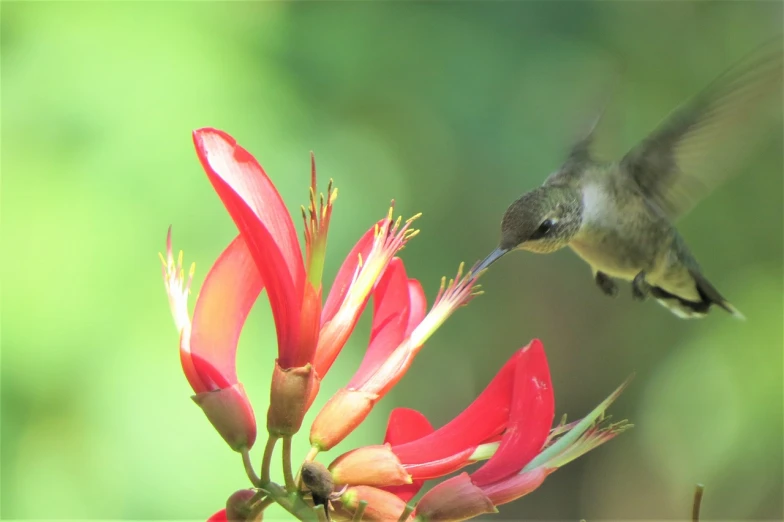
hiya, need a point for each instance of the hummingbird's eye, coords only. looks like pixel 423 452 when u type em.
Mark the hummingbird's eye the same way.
pixel 543 229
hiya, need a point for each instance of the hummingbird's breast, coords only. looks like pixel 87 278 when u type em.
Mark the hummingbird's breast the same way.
pixel 618 234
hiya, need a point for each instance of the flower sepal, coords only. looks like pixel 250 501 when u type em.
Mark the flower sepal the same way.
pixel 454 499
pixel 290 394
pixel 230 413
pixel 370 466
pixel 340 416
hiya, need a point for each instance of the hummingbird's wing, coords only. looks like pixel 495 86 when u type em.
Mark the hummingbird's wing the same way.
pixel 583 151
pixel 697 146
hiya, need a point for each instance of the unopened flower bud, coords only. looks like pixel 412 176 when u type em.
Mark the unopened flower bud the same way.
pixel 340 416
pixel 382 506
pixel 369 466
pixel 238 507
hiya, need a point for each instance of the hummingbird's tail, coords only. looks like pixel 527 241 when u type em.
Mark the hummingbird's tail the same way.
pixel 686 309
pixel 709 293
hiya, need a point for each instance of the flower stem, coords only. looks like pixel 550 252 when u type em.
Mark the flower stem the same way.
pixel 291 502
pixel 287 475
pixel 406 513
pixel 309 458
pixel 314 451
pixel 695 509
pixel 360 512
pixel 265 465
pixel 257 509
pixel 254 479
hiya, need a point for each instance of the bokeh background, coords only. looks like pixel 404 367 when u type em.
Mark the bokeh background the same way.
pixel 453 109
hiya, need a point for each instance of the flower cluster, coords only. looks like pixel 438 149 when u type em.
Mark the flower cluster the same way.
pixel 509 423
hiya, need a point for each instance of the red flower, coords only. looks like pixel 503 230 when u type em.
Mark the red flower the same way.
pixel 513 471
pixel 400 329
pixel 510 422
pixel 208 345
pixel 309 337
pixel 521 387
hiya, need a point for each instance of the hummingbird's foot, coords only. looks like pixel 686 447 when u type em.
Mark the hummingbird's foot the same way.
pixel 606 284
pixel 640 288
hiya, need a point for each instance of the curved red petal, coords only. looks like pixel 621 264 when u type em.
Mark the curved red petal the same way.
pixel 342 282
pixel 334 334
pixel 188 368
pixel 406 425
pixel 482 420
pixel 530 419
pixel 390 320
pixel 417 305
pixel 229 291
pixel 264 222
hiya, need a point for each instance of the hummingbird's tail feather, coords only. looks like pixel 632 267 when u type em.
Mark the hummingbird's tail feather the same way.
pixel 687 309
pixel 710 295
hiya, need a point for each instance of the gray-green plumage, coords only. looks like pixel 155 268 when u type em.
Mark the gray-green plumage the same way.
pixel 618 216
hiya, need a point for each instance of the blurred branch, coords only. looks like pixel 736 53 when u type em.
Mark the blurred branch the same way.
pixel 288 477
pixel 265 465
pixel 360 512
pixel 406 513
pixel 695 509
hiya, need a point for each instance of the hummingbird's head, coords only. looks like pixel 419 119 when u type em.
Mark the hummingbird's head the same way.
pixel 542 221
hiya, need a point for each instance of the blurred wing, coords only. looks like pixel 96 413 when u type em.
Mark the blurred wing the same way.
pixel 582 152
pixel 697 146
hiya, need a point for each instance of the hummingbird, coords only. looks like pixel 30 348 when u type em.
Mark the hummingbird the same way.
pixel 618 216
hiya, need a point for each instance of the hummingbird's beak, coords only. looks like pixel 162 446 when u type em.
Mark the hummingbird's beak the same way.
pixel 494 256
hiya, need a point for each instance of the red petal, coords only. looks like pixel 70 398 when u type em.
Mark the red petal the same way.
pixel 346 273
pixel 438 453
pixel 264 222
pixel 188 367
pixel 417 305
pixel 228 293
pixel 390 320
pixel 334 336
pixel 406 425
pixel 220 516
pixel 533 409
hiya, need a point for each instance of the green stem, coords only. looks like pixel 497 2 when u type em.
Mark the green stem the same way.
pixel 309 458
pixel 695 509
pixel 265 465
pixel 360 512
pixel 406 513
pixel 259 508
pixel 254 479
pixel 291 502
pixel 287 475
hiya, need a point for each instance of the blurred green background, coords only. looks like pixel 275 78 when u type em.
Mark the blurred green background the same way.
pixel 453 109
